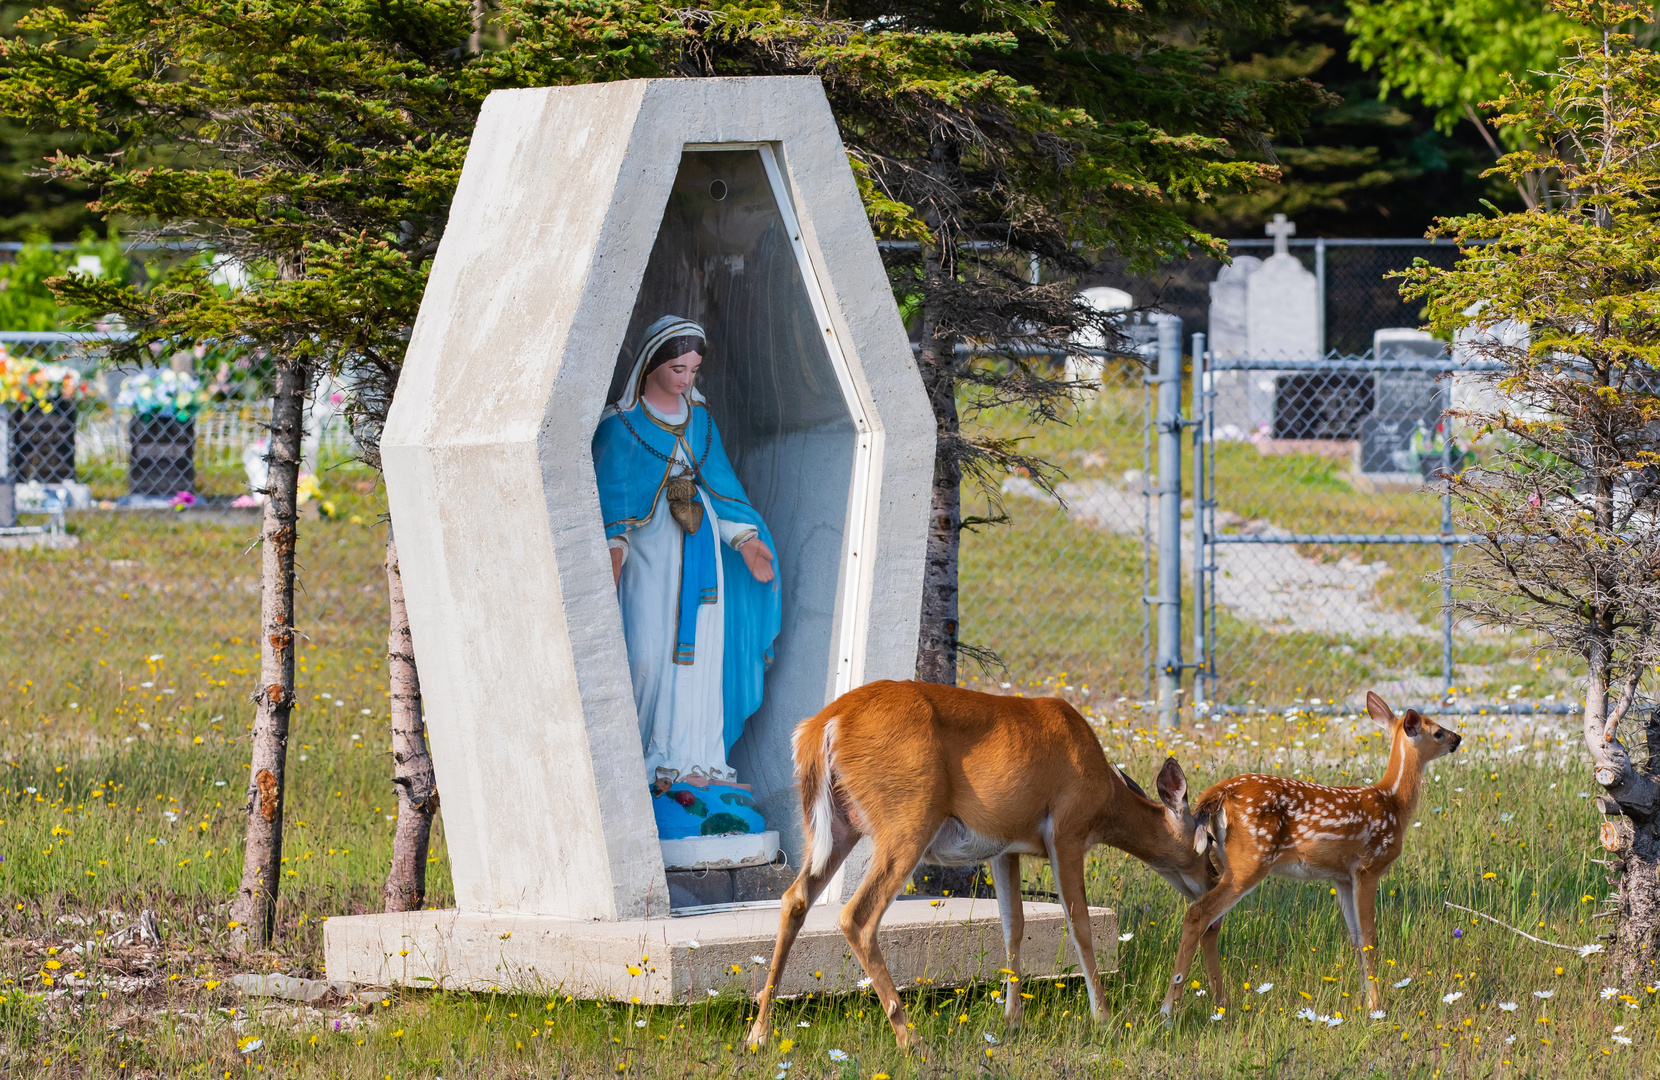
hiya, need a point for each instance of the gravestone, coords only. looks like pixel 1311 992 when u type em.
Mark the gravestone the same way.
pixel 1398 438
pixel 1082 366
pixel 1282 303
pixel 1269 310
pixel 1473 392
pixel 582 214
pixel 1229 333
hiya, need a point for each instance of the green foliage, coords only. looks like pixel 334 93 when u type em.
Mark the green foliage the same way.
pixel 1457 55
pixel 1370 163
pixel 32 203
pixel 1569 515
pixel 315 143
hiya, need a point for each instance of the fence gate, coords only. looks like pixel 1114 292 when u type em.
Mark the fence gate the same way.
pixel 1321 522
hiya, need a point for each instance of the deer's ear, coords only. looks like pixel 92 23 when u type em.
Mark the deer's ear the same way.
pixel 1130 781
pixel 1412 723
pixel 1378 710
pixel 1172 785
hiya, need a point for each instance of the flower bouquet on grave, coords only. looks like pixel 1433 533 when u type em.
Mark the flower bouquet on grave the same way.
pixel 40 402
pixel 162 431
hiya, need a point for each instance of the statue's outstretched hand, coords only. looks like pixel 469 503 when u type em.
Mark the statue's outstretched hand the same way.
pixel 758 557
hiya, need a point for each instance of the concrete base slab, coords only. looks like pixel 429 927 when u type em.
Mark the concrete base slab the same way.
pixel 676 960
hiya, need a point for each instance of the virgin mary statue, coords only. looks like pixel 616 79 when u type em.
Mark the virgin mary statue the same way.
pixel 696 579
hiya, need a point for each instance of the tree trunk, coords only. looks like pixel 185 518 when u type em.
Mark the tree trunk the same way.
pixel 1634 839
pixel 406 882
pixel 255 908
pixel 936 656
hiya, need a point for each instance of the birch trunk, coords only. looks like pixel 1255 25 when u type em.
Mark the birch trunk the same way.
pixel 255 908
pixel 1635 838
pixel 406 881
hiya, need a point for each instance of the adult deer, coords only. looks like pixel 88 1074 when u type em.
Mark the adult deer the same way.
pixel 958 777
pixel 1262 825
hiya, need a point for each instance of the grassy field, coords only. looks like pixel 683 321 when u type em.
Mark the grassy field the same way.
pixel 95 829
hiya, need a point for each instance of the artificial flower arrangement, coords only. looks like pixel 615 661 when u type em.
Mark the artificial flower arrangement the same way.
pixel 26 383
pixel 164 392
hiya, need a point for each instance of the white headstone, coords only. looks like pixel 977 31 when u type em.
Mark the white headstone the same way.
pixel 1405 342
pixel 1084 366
pixel 1476 392
pixel 1282 311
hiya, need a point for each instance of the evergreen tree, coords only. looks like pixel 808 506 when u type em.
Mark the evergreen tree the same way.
pixel 1055 131
pixel 1567 508
pixel 32 204
pixel 316 144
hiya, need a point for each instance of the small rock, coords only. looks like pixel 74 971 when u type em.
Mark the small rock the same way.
pixel 141 931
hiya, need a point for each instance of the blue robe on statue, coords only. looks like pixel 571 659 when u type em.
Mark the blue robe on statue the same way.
pixel 631 481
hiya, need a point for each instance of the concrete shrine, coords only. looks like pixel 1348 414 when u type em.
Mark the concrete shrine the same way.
pixel 605 241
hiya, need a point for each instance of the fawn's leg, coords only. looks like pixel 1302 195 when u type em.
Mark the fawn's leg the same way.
pixel 1066 859
pixel 1213 964
pixel 1366 902
pixel 1346 904
pixel 890 865
pixel 792 913
pixel 1208 909
pixel 1005 875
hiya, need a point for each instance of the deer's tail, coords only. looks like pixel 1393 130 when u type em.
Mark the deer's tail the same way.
pixel 815 766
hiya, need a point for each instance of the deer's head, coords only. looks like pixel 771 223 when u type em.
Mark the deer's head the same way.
pixel 1190 872
pixel 1415 738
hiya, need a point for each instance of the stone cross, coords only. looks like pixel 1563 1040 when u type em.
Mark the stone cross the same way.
pixel 1281 230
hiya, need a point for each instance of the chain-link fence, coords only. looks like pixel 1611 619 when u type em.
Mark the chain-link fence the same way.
pixel 129 558
pixel 1324 543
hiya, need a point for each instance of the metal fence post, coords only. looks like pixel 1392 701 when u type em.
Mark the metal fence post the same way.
pixel 1320 290
pixel 1200 411
pixel 1170 520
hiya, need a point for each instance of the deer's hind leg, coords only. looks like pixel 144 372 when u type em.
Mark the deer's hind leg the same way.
pixel 798 898
pixel 1005 875
pixel 897 853
pixel 1209 945
pixel 1366 914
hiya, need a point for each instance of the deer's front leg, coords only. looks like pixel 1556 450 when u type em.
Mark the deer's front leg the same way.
pixel 1005 875
pixel 792 913
pixel 1366 903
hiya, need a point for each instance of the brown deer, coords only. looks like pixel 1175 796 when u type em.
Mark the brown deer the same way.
pixel 958 777
pixel 1261 825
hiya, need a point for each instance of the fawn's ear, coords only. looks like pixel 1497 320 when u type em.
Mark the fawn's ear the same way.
pixel 1172 785
pixel 1412 723
pixel 1378 710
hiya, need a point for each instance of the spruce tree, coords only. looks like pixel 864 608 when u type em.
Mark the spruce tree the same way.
pixel 316 144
